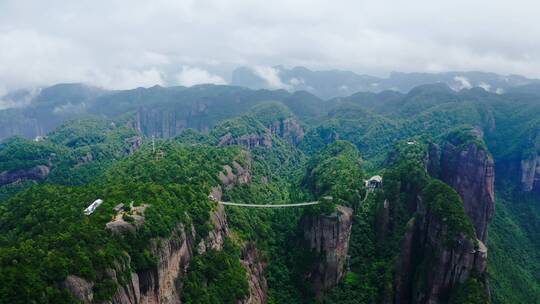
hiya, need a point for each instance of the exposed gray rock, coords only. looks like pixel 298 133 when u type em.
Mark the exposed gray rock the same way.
pixel 249 141
pixel 80 288
pixel 469 169
pixel 133 143
pixel 241 175
pixel 289 129
pixel 328 236
pixel 258 288
pixel 432 263
pixel 36 173
pixel 161 284
pixel 216 237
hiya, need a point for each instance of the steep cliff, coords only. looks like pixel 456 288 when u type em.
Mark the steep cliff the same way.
pixel 37 173
pixel 530 173
pixel 289 129
pixel 530 165
pixel 439 251
pixel 464 163
pixel 249 141
pixel 168 122
pixel 162 282
pixel 258 287
pixel 328 238
pixel 439 222
pixel 260 129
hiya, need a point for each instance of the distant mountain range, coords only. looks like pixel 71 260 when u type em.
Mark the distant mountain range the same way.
pixel 454 164
pixel 336 83
pixel 165 111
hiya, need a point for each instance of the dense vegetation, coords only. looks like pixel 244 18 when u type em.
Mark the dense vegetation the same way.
pixel 335 171
pixel 44 235
pixel 216 277
pixel 446 204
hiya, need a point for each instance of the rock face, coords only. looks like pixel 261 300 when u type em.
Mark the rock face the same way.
pixel 163 283
pixel 469 169
pixel 249 141
pixel 328 237
pixel 36 173
pixel 216 237
pixel 168 123
pixel 432 263
pixel 132 144
pixel 80 288
pixel 258 287
pixel 159 285
pixel 530 173
pixel 434 260
pixel 240 175
pixel 289 129
pixel 530 164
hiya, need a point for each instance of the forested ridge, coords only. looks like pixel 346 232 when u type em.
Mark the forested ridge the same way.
pixel 155 173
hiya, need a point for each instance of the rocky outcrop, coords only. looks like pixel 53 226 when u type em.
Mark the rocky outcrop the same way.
pixel 469 169
pixel 249 141
pixel 216 237
pixel 119 224
pixel 132 144
pixel 168 123
pixel 236 174
pixel 433 261
pixel 443 245
pixel 328 237
pixel 258 288
pixel 129 291
pixel 80 288
pixel 37 173
pixel 530 173
pixel 530 164
pixel 289 129
pixel 162 283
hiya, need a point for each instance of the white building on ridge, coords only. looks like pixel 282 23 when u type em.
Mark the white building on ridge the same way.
pixel 90 209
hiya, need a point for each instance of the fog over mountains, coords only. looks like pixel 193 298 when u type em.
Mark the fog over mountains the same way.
pixel 165 111
pixel 324 84
pixel 334 83
pixel 458 154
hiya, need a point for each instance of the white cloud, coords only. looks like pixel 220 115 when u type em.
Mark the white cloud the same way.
pixel 462 83
pixel 296 81
pixel 271 76
pixel 69 108
pixel 125 78
pixel 9 102
pixel 128 43
pixel 485 86
pixel 190 76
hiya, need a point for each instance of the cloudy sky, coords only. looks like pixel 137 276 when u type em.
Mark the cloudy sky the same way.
pixel 129 43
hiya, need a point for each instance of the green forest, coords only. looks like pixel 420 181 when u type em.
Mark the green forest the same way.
pixel 271 147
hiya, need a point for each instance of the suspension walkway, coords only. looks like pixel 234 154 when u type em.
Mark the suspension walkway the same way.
pixel 267 205
pixel 264 205
pixel 371 185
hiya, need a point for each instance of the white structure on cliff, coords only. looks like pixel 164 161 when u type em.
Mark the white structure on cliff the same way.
pixel 90 209
pixel 374 182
